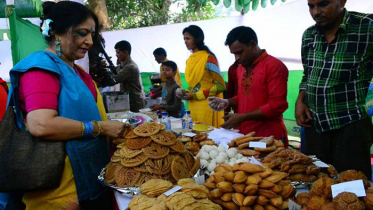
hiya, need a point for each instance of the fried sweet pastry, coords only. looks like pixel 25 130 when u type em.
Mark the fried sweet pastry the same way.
pixel 368 200
pixel 298 169
pixel 328 206
pixel 264 184
pixel 155 187
pixel 265 173
pixel 268 140
pixel 262 200
pixel 322 187
pixel 128 153
pixel 332 171
pixel 258 207
pixel 207 142
pixel 166 138
pixel 135 161
pixel 225 187
pixel 287 191
pixel 179 168
pixel 239 187
pixel 253 179
pixel 131 177
pixel 184 138
pixel 179 200
pixel 248 139
pixel 303 177
pixel 276 176
pixel 238 198
pixel 141 168
pixel 227 197
pixel 140 202
pixel 147 129
pixel 267 193
pixel 302 199
pixel 351 175
pixel 119 141
pixel 248 167
pixel 192 146
pixel 156 151
pixel 249 200
pixel 312 169
pixel 200 137
pixel 276 201
pixel 348 201
pixel 138 143
pixel 230 205
pixel 267 149
pixel 251 134
pixel 248 152
pixel 251 189
pixel 208 205
pixel 197 163
pixel 131 135
pixel 279 143
pixel 111 169
pixel 177 147
pixel 159 166
pixel 115 159
pixel 239 177
pixel 216 193
pixel 316 203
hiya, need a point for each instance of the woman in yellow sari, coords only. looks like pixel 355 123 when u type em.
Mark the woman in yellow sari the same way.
pixel 203 76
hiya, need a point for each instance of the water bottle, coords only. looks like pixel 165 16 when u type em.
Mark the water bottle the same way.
pixel 187 122
pixel 166 121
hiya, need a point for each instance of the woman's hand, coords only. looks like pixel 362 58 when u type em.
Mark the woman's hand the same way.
pixel 112 128
pixel 180 93
pixel 156 107
pixel 188 96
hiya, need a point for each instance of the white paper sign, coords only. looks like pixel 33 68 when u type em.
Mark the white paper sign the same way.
pixel 255 161
pixel 321 164
pixel 356 187
pixel 189 134
pixel 172 190
pixel 293 205
pixel 258 144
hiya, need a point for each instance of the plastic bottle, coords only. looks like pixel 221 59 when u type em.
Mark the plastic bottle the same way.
pixel 187 122
pixel 166 121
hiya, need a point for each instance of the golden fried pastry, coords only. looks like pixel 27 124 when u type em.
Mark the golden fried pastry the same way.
pixel 251 134
pixel 178 147
pixel 207 142
pixel 276 201
pixel 238 198
pixel 192 146
pixel 166 138
pixel 276 176
pixel 119 141
pixel 156 151
pixel 258 207
pixel 155 187
pixel 262 200
pixel 322 187
pixel 347 200
pixel 351 175
pixel 227 197
pixel 141 202
pixel 302 199
pixel 298 169
pixel 248 167
pixel 264 184
pixel 115 159
pixel 332 171
pixel 288 191
pixel 316 202
pixel 216 193
pixel 312 169
pixel 229 176
pixel 266 173
pixel 268 140
pixel 240 188
pixel 276 188
pixel 251 189
pixel 328 206
pixel 147 129
pixel 135 161
pixel 200 137
pixel 210 185
pixel 218 177
pixel 267 193
pixel 279 143
pixel 245 208
pixel 138 143
pixel 267 149
pixel 179 200
pixel 179 168
pixel 110 172
pixel 225 187
pixel 253 179
pixel 248 152
pixel 194 170
pixel 128 153
pixel 230 205
pixel 159 166
pixel 239 177
pixel 249 200
pixel 184 138
pixel 248 139
pixel 131 135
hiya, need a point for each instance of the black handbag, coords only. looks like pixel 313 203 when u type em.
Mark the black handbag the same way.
pixel 28 163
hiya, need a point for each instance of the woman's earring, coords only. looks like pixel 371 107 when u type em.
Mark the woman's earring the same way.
pixel 58 47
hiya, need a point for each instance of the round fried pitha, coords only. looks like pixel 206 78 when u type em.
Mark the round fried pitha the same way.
pixel 156 151
pixel 178 147
pixel 147 129
pixel 138 143
pixel 166 138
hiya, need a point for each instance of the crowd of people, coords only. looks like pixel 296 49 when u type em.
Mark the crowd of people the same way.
pixel 58 100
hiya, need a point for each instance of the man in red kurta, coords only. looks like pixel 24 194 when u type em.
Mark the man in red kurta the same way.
pixel 262 88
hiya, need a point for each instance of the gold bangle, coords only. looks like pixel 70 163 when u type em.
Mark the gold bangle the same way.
pixel 83 128
pixel 99 129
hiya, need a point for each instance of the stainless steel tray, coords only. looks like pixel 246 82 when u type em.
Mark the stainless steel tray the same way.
pixel 126 191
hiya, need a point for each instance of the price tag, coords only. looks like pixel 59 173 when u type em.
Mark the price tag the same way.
pixel 356 187
pixel 189 134
pixel 258 144
pixel 255 161
pixel 172 190
pixel 321 164
pixel 293 205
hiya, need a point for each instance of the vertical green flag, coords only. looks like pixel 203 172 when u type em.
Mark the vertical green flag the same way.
pixel 25 37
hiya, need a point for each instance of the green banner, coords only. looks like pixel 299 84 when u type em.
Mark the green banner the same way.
pixel 25 37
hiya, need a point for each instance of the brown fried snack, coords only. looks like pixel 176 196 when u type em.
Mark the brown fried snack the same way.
pixel 316 203
pixel 248 152
pixel 298 169
pixel 166 138
pixel 128 153
pixel 322 187
pixel 328 206
pixel 184 138
pixel 147 129
pixel 177 147
pixel 368 200
pixel 348 201
pixel 179 168
pixel 138 143
pixel 351 175
pixel 135 161
pixel 159 166
pixel 332 171
pixel 131 135
pixel 199 137
pixel 312 169
pixel 156 151
pixel 303 199
pixel 268 149
pixel 268 140
pixel 155 187
pixel 111 169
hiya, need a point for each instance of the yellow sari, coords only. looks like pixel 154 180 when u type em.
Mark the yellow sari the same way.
pixel 200 78
pixel 65 196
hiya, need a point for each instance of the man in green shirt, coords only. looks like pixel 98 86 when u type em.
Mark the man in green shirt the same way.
pixel 337 56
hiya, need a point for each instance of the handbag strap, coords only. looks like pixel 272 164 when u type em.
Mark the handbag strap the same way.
pixel 14 101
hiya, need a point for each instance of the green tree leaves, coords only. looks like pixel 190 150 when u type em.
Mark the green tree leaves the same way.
pixel 244 5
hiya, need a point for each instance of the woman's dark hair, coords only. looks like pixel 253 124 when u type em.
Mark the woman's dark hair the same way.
pixel 242 34
pixel 197 33
pixel 66 15
pixel 170 64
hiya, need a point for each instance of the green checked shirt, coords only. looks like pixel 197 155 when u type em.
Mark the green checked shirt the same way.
pixel 337 75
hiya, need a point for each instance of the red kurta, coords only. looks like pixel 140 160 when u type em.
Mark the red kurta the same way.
pixel 265 88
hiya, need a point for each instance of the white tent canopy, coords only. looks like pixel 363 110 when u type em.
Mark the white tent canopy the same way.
pixel 279 31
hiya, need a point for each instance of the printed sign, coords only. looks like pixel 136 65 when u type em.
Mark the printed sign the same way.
pixel 356 187
pixel 258 144
pixel 172 190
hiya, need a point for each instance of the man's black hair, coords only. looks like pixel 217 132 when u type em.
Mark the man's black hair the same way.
pixel 242 34
pixel 123 46
pixel 160 51
pixel 170 64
